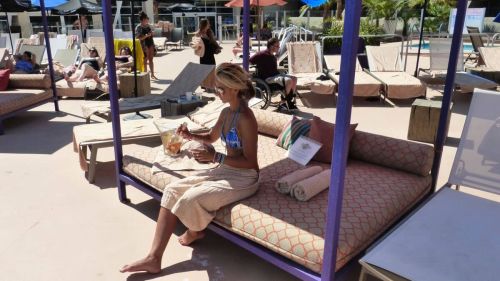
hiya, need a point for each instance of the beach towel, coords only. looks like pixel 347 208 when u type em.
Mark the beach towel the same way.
pixel 284 185
pixel 311 186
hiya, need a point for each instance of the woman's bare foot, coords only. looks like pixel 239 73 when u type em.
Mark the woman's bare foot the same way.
pixel 149 264
pixel 190 236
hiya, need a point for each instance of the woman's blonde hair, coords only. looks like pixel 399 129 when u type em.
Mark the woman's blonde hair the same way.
pixel 234 77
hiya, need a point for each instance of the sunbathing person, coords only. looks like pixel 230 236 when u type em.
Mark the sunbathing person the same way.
pixel 267 69
pixel 124 63
pixel 25 63
pixel 194 200
pixel 238 47
pixel 88 67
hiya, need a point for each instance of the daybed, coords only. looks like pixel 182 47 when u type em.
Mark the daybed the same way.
pixel 385 178
pixel 24 92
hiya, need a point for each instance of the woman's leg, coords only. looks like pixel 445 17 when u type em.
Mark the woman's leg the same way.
pixel 86 72
pixel 145 60
pixel 151 54
pixel 152 262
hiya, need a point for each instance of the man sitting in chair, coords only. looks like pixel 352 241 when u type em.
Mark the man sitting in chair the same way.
pixel 267 69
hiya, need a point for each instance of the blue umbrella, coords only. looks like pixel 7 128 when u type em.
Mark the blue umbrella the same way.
pixel 49 4
pixel 497 18
pixel 314 3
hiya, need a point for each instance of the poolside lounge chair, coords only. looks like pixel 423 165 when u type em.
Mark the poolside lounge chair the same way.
pixel 454 235
pixel 477 42
pixel 175 39
pixel 95 136
pixel 385 65
pixel 364 84
pixel 37 50
pixel 304 62
pixel 25 91
pixel 439 56
pixel 66 57
pixel 188 80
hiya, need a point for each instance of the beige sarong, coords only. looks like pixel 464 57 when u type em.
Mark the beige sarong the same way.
pixel 195 199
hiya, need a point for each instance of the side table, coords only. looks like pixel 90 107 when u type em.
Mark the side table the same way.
pixel 181 107
pixel 424 120
pixel 127 84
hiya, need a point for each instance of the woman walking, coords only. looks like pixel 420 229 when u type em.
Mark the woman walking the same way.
pixel 144 33
pixel 195 199
pixel 211 46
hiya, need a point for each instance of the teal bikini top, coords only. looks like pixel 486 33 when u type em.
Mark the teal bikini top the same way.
pixel 231 139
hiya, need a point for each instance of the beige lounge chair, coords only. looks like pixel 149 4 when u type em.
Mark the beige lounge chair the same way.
pixel 364 84
pixel 95 136
pixel 304 62
pixel 385 65
pixel 66 57
pixel 37 50
pixel 188 80
pixel 439 56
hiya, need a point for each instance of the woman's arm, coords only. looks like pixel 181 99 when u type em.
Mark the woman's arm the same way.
pixel 247 128
pixel 209 137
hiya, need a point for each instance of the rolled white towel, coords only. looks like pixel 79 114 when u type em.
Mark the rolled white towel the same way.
pixel 284 185
pixel 309 187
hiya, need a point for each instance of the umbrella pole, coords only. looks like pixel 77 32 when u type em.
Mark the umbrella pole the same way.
pixel 420 38
pixel 81 27
pixel 10 34
pixel 134 52
pixel 258 26
pixel 246 22
pixel 49 54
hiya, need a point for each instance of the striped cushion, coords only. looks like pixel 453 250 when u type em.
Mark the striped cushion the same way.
pixel 292 131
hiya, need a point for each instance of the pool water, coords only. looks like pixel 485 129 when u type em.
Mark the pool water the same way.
pixel 425 46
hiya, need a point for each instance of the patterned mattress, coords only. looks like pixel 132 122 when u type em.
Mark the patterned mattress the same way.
pixel 15 99
pixel 375 197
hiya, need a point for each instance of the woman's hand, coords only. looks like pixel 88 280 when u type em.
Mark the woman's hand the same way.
pixel 184 132
pixel 203 155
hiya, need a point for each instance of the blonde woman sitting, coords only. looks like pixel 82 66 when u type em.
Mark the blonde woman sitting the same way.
pixel 194 200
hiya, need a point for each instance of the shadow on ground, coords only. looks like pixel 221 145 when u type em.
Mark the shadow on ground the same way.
pixel 27 133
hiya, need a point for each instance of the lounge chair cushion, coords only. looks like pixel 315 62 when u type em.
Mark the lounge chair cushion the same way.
pixel 310 81
pixel 393 153
pixel 270 123
pixel 375 197
pixel 29 81
pixel 15 99
pixel 4 79
pixel 401 85
pixel 323 132
pixel 292 131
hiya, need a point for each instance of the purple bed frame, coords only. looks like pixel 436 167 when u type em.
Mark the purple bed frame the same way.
pixel 343 117
pixel 54 97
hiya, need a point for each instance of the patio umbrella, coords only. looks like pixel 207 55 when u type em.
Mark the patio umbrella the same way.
pixel 14 6
pixel 78 7
pixel 182 7
pixel 49 4
pixel 314 3
pixel 258 4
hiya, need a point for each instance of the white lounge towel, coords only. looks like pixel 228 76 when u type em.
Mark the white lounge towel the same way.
pixel 309 187
pixel 284 185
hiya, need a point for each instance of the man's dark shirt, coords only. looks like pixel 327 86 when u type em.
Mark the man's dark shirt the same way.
pixel 266 63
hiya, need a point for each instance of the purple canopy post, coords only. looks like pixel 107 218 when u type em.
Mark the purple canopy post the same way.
pixel 246 35
pixel 456 43
pixel 49 54
pixel 349 49
pixel 113 96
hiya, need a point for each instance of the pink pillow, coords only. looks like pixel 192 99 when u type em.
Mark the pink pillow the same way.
pixel 322 132
pixel 4 79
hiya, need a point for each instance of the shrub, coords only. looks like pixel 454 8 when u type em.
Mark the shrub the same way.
pixel 337 28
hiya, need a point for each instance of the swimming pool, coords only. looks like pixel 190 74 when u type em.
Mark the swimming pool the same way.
pixel 425 46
